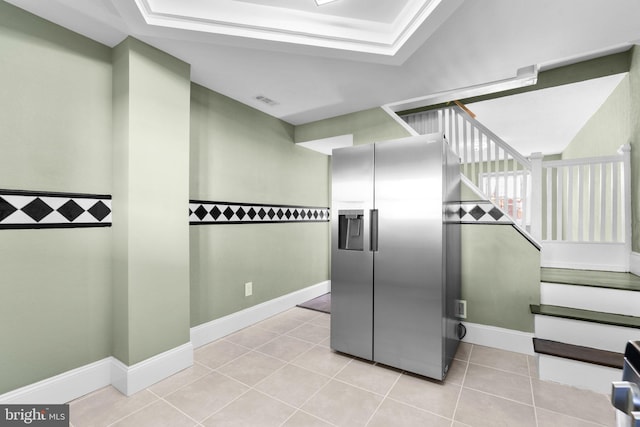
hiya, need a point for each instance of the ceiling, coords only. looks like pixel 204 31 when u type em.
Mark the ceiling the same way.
pixel 316 62
pixel 545 120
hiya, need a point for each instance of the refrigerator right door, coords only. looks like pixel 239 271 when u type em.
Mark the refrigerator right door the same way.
pixel 408 265
pixel 452 251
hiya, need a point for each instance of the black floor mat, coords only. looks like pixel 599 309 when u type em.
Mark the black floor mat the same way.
pixel 321 303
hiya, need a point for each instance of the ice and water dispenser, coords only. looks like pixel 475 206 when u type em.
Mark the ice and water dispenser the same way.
pixel 350 230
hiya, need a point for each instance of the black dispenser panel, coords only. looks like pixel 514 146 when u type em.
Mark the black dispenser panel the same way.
pixel 350 230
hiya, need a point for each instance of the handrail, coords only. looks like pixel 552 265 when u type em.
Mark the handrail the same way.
pixel 582 161
pixel 463 114
pixel 499 141
pixel 487 160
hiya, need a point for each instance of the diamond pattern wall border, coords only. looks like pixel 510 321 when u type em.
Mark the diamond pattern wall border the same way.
pixel 31 209
pixel 205 212
pixel 476 212
pixel 37 209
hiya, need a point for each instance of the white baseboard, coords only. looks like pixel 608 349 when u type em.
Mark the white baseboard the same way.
pixel 218 328
pixel 634 263
pixel 64 387
pixel 131 379
pixel 78 382
pixel 75 383
pixel 505 339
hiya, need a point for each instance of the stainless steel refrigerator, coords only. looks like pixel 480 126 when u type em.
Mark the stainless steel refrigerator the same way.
pixel 395 266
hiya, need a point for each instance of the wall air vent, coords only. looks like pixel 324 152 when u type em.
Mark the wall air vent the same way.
pixel 266 100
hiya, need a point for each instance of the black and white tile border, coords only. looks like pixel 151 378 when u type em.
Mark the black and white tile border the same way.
pixel 476 212
pixel 30 209
pixel 37 209
pixel 205 212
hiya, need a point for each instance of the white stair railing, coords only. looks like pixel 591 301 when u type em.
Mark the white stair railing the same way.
pixel 586 214
pixel 578 209
pixel 498 170
pixel 587 200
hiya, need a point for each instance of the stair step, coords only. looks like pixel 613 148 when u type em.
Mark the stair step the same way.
pixel 586 315
pixel 593 298
pixel 600 279
pixel 580 353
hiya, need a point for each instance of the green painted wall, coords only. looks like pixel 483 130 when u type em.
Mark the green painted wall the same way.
pixel 55 135
pixel 366 126
pixel 239 154
pixel 150 198
pixel 607 129
pixel 616 122
pixel 500 276
pixel 602 135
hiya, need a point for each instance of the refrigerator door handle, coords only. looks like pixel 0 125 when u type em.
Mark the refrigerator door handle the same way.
pixel 373 235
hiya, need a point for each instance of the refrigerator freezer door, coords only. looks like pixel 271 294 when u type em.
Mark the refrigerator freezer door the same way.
pixel 352 259
pixel 408 266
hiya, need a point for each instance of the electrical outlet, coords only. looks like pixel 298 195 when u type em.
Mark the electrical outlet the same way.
pixel 248 289
pixel 461 309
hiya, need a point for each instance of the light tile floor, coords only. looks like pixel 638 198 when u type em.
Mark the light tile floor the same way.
pixel 281 372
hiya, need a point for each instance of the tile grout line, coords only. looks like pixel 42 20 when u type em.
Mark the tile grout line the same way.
pixel 464 377
pixel 384 398
pixel 284 360
pixel 250 349
pixel 533 395
pixel 501 370
pixel 316 392
pixel 360 387
pixel 321 388
pixel 310 414
pixel 256 349
pixel 228 403
pixel 250 387
pixel 176 408
pixel 184 385
pixel 574 417
pixel 402 402
pixel 278 400
pixel 500 397
pixel 137 410
pixel 257 325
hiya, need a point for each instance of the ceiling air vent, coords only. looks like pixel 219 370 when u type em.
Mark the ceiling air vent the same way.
pixel 266 100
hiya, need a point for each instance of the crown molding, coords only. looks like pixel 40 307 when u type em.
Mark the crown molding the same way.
pixel 262 22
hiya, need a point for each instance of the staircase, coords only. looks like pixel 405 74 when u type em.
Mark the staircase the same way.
pixel 582 324
pixel 578 212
